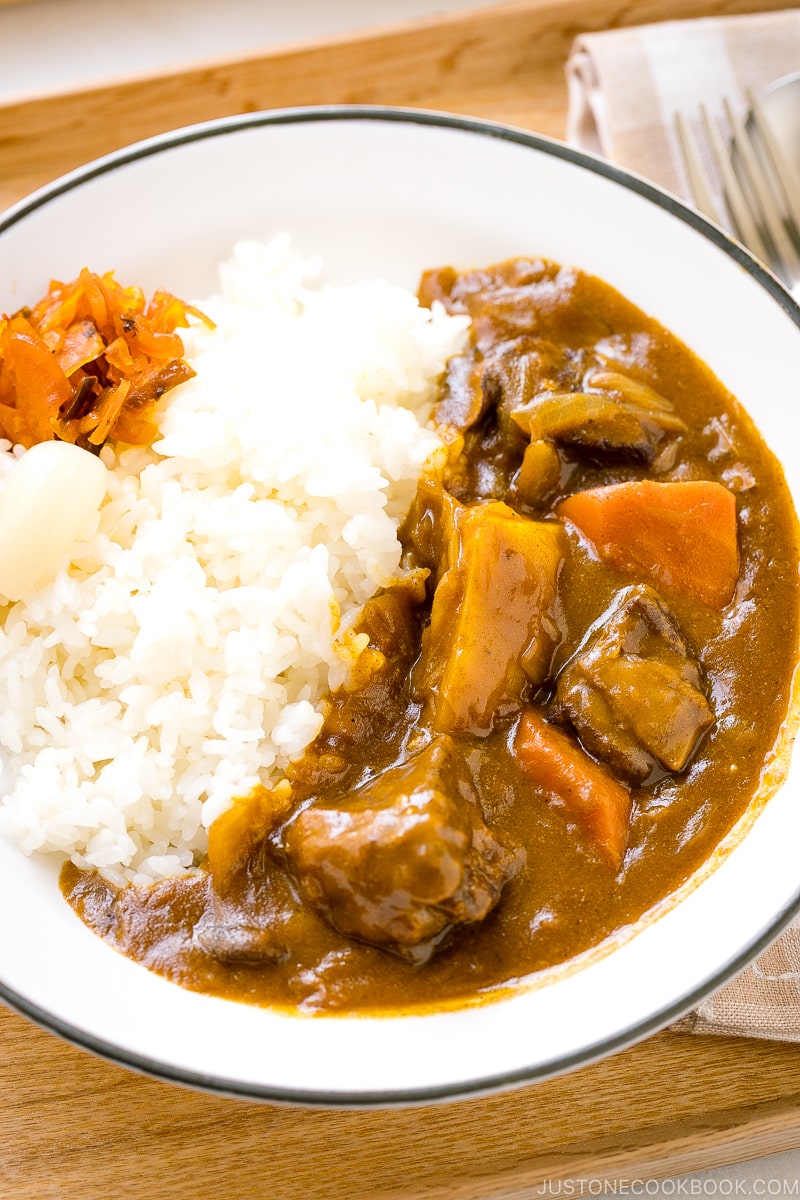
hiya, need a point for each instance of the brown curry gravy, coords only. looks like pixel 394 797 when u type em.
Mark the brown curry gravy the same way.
pixel 565 899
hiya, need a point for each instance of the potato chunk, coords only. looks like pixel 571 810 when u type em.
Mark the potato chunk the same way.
pixel 494 620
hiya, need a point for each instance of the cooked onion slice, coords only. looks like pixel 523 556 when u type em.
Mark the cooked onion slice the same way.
pixel 46 506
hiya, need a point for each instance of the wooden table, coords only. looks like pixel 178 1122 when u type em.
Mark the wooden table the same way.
pixel 73 1127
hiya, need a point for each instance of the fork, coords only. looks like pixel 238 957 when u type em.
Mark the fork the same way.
pixel 760 186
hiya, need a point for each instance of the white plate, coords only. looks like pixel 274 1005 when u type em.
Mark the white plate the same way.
pixel 383 192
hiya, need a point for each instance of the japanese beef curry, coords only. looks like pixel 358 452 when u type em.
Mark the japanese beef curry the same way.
pixel 554 717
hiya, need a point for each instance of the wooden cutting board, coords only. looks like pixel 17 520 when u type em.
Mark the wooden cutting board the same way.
pixel 504 62
pixel 77 1128
pixel 73 1127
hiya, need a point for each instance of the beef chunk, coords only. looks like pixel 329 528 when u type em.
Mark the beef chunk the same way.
pixel 237 941
pixel 521 297
pixel 507 377
pixel 463 399
pixel 518 370
pixel 634 691
pixel 406 859
pixel 369 708
pixel 598 425
pixel 565 396
pixel 250 912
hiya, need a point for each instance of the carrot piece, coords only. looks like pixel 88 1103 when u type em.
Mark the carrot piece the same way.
pixel 681 536
pixel 80 345
pixel 89 361
pixel 590 796
pixel 39 385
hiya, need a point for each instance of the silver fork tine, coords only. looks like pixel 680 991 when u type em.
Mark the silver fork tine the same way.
pixel 762 191
pixel 698 180
pixel 784 170
pixel 746 227
pixel 755 211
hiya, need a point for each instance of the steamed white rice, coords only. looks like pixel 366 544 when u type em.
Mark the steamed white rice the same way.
pixel 179 659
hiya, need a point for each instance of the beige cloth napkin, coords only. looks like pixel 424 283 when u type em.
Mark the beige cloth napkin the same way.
pixel 624 88
pixel 625 85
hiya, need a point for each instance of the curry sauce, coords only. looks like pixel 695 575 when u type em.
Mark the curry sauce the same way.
pixel 551 726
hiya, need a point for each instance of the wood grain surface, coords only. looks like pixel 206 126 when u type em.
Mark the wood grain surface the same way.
pixel 78 1128
pixel 505 62
pixel 73 1127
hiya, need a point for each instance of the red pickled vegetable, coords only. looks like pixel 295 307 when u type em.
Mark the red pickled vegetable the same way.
pixel 91 361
